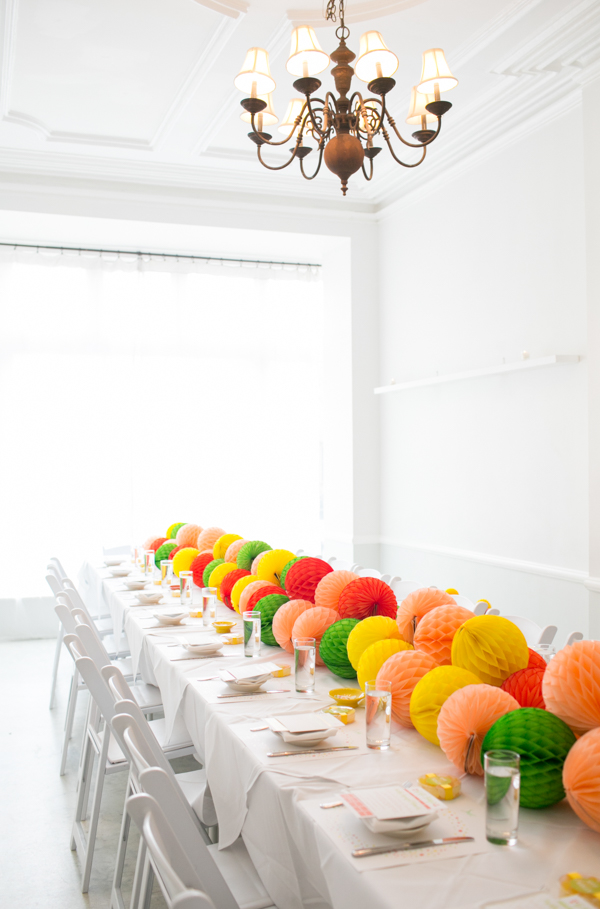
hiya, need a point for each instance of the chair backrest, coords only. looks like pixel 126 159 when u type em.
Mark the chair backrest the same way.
pixel 91 676
pixel 403 588
pixel 339 564
pixel 574 636
pixel 57 566
pixel 191 899
pixel 74 594
pixel 356 568
pixel 463 601
pixel 138 741
pixel 54 582
pixel 64 615
pixel 369 573
pixel 175 872
pixel 530 629
pixel 90 638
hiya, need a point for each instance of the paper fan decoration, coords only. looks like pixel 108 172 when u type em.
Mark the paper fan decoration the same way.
pixel 490 646
pixel 249 551
pixel 333 650
pixel 536 660
pixel 229 582
pixel 223 543
pixel 330 587
pixel 272 564
pixel 198 565
pixel 374 628
pixel 302 578
pixel 217 576
pixel 373 658
pixel 188 535
pixel 209 570
pixel 173 530
pixel 404 669
pixel 183 559
pixel 147 544
pixel 543 741
pixel 571 686
pixel 283 623
pixel 417 604
pixel 208 537
pixel 466 718
pixel 239 587
pixel 581 778
pixel 365 597
pixel 157 543
pixel 431 692
pixel 269 606
pixel 435 632
pixel 287 567
pixel 256 561
pixel 163 552
pixel 525 686
pixel 233 549
pixel 247 593
pixel 313 623
pixel 174 552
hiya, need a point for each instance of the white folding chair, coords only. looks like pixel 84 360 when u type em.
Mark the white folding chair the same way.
pixel 338 564
pixel 403 588
pixel 55 585
pixel 534 634
pixel 574 636
pixel 368 573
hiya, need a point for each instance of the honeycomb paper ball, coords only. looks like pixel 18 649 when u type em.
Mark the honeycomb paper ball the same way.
pixel 313 623
pixel 536 661
pixel 287 567
pixel 239 587
pixel 435 632
pixel 431 692
pixel 571 686
pixel 150 540
pixel 183 559
pixel 256 562
pixel 247 593
pixel 198 565
pixel 491 647
pixel 543 741
pixel 157 544
pixel 209 570
pixel 581 778
pixel 163 552
pixel 248 553
pixel 188 535
pixel 208 537
pixel 365 597
pixel 173 530
pixel 303 577
pixel 330 587
pixel 272 564
pixel 417 604
pixel 170 530
pixel 223 543
pixel 374 628
pixel 525 685
pixel 257 595
pixel 283 623
pixel 269 606
pixel 174 552
pixel 218 574
pixel 333 650
pixel 373 658
pixel 466 718
pixel 229 581
pixel 404 670
pixel 233 549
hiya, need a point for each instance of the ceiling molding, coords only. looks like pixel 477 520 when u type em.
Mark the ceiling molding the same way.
pixel 231 8
pixel 356 12
pixel 478 42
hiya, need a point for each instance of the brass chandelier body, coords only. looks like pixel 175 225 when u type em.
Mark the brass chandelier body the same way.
pixel 345 127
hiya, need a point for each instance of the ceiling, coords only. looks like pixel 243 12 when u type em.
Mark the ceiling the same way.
pixel 141 91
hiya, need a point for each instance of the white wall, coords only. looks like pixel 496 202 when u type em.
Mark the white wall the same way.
pixel 481 474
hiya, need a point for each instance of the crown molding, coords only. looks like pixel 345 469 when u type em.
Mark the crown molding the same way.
pixel 478 42
pixel 232 8
pixel 356 12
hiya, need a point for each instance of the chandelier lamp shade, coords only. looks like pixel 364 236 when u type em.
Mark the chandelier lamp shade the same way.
pixel 344 125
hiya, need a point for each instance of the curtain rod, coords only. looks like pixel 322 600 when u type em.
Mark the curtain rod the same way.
pixel 140 253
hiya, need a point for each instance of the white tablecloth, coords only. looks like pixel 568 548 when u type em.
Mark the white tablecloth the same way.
pixel 261 797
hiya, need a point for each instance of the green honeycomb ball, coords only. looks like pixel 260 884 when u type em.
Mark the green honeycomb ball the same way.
pixel 333 649
pixel 209 570
pixel 267 607
pixel 249 551
pixel 543 741
pixel 163 552
pixel 174 530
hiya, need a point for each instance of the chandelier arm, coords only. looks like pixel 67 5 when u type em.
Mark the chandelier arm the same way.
pixel 283 141
pixel 281 166
pixel 370 177
pixel 386 136
pixel 392 123
pixel 312 116
pixel 321 148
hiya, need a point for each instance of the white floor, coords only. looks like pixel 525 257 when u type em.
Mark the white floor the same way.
pixel 37 867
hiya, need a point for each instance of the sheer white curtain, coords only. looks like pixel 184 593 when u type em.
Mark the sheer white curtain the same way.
pixel 134 394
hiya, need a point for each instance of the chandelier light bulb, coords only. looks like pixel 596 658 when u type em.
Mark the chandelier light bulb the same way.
pixel 417 111
pixel 293 111
pixel 375 59
pixel 307 58
pixel 254 78
pixel 266 117
pixel 435 76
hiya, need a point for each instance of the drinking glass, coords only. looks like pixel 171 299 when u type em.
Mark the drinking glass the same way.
pixel 196 606
pixel 185 588
pixel 502 784
pixel 252 633
pixel 209 604
pixel 156 575
pixel 378 711
pixel 305 657
pixel 166 572
pixel 148 562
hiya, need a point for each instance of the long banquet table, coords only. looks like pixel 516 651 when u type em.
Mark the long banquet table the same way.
pixel 274 802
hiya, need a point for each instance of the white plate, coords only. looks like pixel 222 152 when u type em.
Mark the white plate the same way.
pixel 149 599
pixel 202 649
pixel 134 583
pixel 120 572
pixel 398 825
pixel 111 563
pixel 247 684
pixel 166 619
pixel 306 738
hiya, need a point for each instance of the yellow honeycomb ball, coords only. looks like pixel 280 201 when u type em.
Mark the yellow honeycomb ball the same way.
pixel 239 587
pixel 169 529
pixel 223 544
pixel 490 646
pixel 182 560
pixel 375 656
pixel 272 564
pixel 432 692
pixel 217 575
pixel 374 628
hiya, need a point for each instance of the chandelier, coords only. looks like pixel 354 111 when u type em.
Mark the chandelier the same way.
pixel 343 127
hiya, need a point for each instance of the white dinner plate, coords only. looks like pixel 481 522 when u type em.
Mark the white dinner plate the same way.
pixel 112 563
pixel 253 684
pixel 170 619
pixel 203 649
pixel 149 599
pixel 398 825
pixel 134 583
pixel 120 572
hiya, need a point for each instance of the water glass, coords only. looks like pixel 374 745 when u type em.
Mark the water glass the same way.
pixel 251 633
pixel 209 605
pixel 502 777
pixel 148 562
pixel 378 711
pixel 185 588
pixel 166 573
pixel 305 658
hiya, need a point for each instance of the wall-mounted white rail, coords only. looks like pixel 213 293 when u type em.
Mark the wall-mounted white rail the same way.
pixel 551 360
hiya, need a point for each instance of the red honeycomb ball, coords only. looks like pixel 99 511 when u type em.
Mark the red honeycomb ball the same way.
pixel 158 543
pixel 535 660
pixel 228 582
pixel 199 564
pixel 175 551
pixel 303 577
pixel 255 597
pixel 365 597
pixel 525 685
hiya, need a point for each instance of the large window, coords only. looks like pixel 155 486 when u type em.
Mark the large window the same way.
pixel 138 393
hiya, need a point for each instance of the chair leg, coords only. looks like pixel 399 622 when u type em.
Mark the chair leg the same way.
pixel 69 721
pixel 146 884
pixel 95 815
pixel 116 897
pixel 86 769
pixel 57 652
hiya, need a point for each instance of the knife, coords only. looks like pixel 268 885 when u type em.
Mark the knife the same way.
pixel 403 847
pixel 246 694
pixel 312 751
